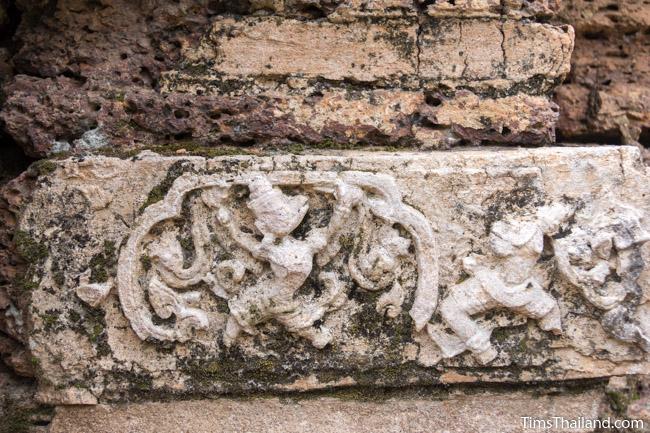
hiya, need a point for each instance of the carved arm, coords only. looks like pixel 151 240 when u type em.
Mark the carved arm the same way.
pixel 245 240
pixel 347 197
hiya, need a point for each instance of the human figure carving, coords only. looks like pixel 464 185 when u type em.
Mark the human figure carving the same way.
pixel 153 269
pixel 291 261
pixel 505 279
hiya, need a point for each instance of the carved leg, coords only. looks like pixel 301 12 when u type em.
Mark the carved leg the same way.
pixel 475 338
pixel 232 331
pixel 552 321
pixel 301 322
pixel 319 337
pixel 536 303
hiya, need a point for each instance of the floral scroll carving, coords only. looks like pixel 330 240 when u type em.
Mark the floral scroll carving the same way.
pixel 250 244
pixel 256 241
pixel 601 256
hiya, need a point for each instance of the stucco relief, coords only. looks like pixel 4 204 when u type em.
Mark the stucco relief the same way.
pixel 594 247
pixel 288 248
pixel 504 279
pixel 600 254
pixel 251 242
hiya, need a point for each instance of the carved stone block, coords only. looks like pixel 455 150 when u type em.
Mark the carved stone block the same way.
pixel 185 275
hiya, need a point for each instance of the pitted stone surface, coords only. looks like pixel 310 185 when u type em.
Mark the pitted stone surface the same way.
pixel 283 73
pixel 185 275
pixel 607 99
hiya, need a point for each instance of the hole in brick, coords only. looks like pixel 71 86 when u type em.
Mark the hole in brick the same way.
pixel 147 77
pixel 130 107
pixel 595 35
pixel 313 12
pixel 181 113
pixel 229 6
pixel 432 100
pixel 183 136
pixel 13 159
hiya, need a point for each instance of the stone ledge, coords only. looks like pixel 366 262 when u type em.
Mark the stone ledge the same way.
pixel 158 275
pixel 487 413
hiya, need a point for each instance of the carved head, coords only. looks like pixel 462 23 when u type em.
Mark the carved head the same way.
pixel 275 212
pixel 509 238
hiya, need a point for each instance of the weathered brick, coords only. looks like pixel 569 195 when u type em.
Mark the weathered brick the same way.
pixel 607 99
pixel 532 50
pixel 384 116
pixel 274 47
pixel 606 16
pixel 461 50
pixel 492 8
pixel 337 10
pixel 500 54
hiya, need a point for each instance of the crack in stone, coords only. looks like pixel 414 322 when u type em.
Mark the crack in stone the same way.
pixel 503 51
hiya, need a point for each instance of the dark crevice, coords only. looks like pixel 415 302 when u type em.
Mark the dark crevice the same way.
pixel 644 137
pixel 10 24
pixel 613 137
pixel 13 160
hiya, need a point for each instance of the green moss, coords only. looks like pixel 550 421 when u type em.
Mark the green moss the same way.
pixel 96 332
pixel 74 316
pixel 187 243
pixel 57 274
pixel 618 401
pixel 93 325
pixel 331 144
pixel 102 265
pixel 177 149
pixel 296 148
pixel 159 191
pixel 234 370
pixel 523 345
pixel 22 420
pixel 346 242
pixel 143 383
pixel 50 319
pixel 44 167
pixel 31 250
pixel 26 282
pixel 181 148
pixel 464 276
pixel 145 261
pixel 16 421
pixel 499 335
